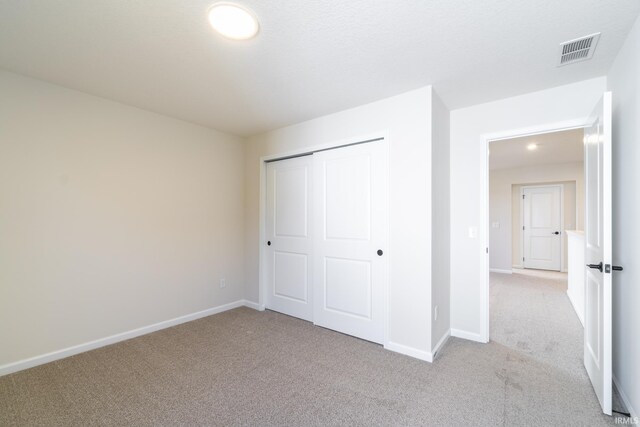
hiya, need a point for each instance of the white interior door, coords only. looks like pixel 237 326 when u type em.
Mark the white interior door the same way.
pixel 289 242
pixel 351 232
pixel 597 314
pixel 542 227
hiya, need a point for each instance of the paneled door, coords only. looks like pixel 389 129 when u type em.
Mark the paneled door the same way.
pixel 598 254
pixel 289 237
pixel 542 227
pixel 350 239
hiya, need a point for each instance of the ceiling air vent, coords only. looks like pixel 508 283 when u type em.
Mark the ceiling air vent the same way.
pixel 578 49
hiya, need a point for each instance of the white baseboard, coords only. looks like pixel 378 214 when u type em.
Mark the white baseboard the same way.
pixel 440 343
pixel 499 270
pixel 472 336
pixel 520 266
pixel 625 398
pixel 20 365
pixel 575 308
pixel 253 305
pixel 409 351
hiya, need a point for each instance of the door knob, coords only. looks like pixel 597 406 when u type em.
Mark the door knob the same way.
pixel 596 266
pixel 269 243
pixel 556 233
pixel 609 267
pixel 379 252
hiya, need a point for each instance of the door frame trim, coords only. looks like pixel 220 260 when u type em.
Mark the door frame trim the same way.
pixel 561 186
pixel 383 137
pixel 485 141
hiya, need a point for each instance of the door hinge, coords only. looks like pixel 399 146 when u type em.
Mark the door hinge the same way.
pixel 523 259
pixel 487 250
pixel 523 227
pixel 523 196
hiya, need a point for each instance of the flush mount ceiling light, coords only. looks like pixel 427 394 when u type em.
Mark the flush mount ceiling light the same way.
pixel 233 21
pixel 532 146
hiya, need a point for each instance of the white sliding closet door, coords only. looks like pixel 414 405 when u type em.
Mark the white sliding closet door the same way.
pixel 350 239
pixel 289 243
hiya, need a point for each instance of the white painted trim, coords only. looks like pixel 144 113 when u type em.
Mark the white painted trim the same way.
pixel 521 228
pixel 625 398
pixel 20 365
pixel 472 336
pixel 262 231
pixel 520 267
pixel 440 343
pixel 409 351
pixel 499 270
pixel 484 295
pixel 253 305
pixel 537 130
pixel 485 140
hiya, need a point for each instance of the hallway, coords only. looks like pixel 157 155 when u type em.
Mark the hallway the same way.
pixel 531 313
pixel 532 317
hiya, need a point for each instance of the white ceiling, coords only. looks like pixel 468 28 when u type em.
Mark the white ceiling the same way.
pixel 557 147
pixel 311 57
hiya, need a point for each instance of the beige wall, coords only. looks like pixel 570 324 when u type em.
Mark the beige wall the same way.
pixel 504 207
pixel 111 218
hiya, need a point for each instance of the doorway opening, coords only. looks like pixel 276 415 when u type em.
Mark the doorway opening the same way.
pixel 595 266
pixel 536 195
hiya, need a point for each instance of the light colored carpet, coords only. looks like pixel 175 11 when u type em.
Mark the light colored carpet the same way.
pixel 544 274
pixel 249 368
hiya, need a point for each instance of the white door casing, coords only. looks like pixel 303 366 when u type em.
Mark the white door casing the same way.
pixel 598 244
pixel 542 227
pixel 289 235
pixel 350 239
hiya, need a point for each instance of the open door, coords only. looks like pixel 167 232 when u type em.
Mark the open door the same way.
pixel 597 313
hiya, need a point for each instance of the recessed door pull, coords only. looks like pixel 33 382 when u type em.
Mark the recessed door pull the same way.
pixel 269 243
pixel 556 233
pixel 379 252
